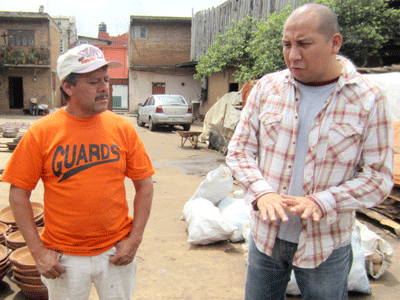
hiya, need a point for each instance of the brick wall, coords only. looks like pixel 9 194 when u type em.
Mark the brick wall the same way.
pixel 167 44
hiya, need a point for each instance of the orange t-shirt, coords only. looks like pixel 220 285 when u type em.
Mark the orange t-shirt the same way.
pixel 83 164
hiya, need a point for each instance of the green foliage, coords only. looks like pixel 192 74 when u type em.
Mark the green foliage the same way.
pixel 365 27
pixel 254 47
pixel 228 50
pixel 266 47
pixel 18 56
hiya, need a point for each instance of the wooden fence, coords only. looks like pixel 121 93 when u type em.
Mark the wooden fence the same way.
pixel 206 24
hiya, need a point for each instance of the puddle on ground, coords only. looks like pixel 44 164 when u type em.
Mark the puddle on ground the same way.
pixel 194 166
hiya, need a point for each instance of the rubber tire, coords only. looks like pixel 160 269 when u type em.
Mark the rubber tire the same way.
pixel 152 126
pixel 186 127
pixel 140 124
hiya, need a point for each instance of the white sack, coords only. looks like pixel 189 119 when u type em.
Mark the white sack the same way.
pixel 292 288
pixel 236 213
pixel 217 185
pixel 205 223
pixel 358 278
pixel 377 251
pixel 390 83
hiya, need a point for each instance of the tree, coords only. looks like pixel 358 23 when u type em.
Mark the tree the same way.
pixel 254 47
pixel 266 47
pixel 229 50
pixel 366 27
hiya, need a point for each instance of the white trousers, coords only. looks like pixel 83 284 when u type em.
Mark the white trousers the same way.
pixel 111 282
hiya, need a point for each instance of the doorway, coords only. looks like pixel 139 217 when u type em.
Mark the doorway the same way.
pixel 16 92
pixel 233 87
pixel 158 88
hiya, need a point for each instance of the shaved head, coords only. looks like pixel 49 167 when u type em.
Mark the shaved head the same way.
pixel 328 22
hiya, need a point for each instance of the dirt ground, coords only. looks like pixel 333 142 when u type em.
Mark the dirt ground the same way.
pixel 169 267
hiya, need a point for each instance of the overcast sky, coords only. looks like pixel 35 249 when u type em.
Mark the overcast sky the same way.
pixel 115 13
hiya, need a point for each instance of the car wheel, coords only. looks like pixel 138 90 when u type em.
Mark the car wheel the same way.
pixel 140 123
pixel 186 127
pixel 152 126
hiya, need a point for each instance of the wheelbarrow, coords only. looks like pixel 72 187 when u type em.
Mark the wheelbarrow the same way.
pixel 191 136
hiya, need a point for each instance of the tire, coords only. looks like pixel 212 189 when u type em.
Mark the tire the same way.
pixel 140 123
pixel 152 126
pixel 186 127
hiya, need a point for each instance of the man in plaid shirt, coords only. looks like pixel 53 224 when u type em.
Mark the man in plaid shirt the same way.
pixel 314 144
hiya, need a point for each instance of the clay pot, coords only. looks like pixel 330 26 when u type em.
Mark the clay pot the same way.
pixel 9 134
pixel 12 146
pixel 7 216
pixel 23 259
pixel 15 240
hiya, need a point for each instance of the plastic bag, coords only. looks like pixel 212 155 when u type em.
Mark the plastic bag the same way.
pixel 358 278
pixel 205 223
pixel 217 185
pixel 378 252
pixel 237 213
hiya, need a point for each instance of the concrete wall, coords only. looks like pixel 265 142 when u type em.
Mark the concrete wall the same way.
pixel 54 46
pixel 141 86
pixel 218 85
pixel 116 53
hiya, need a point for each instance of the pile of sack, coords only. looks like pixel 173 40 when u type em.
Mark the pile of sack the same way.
pixel 372 256
pixel 211 215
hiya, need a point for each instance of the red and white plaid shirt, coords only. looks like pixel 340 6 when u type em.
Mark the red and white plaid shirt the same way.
pixel 349 162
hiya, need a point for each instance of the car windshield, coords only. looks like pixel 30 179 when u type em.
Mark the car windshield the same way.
pixel 171 99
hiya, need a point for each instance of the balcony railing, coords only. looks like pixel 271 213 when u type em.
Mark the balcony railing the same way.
pixel 24 55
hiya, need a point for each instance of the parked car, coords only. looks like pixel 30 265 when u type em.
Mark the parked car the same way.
pixel 165 110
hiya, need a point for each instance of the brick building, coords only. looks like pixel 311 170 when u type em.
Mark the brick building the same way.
pixel 29 48
pixel 159 59
pixel 68 32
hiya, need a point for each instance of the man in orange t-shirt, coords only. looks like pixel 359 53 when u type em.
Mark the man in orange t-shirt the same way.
pixel 82 153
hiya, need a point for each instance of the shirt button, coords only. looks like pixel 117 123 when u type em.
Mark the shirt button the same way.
pixel 284 188
pixel 289 167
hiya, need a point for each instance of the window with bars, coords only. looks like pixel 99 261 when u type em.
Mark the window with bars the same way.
pixel 21 38
pixel 139 32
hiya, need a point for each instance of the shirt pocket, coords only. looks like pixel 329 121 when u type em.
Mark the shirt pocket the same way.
pixel 269 128
pixel 344 144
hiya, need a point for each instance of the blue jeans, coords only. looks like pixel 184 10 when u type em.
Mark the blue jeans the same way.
pixel 267 277
pixel 34 111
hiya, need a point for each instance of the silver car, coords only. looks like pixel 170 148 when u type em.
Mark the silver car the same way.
pixel 165 110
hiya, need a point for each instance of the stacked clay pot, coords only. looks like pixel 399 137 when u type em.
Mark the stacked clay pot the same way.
pixel 26 275
pixel 15 240
pixel 4 228
pixel 7 216
pixel 5 264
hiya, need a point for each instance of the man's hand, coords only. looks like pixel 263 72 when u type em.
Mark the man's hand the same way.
pixel 304 206
pixel 126 251
pixel 47 263
pixel 270 205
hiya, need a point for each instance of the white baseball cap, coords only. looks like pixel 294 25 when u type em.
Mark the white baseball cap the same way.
pixel 82 59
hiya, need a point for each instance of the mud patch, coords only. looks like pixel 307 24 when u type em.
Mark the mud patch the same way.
pixel 197 166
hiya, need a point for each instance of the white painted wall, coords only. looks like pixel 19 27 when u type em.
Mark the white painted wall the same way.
pixel 140 86
pixel 121 90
